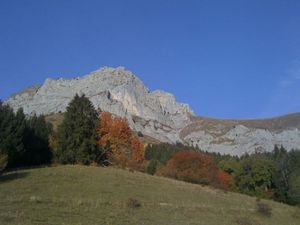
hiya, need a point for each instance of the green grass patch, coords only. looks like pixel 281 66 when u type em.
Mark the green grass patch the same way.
pixel 78 195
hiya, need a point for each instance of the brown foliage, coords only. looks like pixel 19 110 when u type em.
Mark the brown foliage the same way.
pixel 224 180
pixel 137 150
pixel 195 167
pixel 118 140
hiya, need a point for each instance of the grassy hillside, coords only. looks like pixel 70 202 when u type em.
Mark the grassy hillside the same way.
pixel 92 195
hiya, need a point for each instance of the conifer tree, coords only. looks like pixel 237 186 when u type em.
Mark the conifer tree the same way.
pixel 77 135
pixel 36 141
pixel 12 128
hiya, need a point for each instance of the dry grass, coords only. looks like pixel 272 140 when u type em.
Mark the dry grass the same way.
pixel 73 195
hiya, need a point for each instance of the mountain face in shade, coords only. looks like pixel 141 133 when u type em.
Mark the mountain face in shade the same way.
pixel 157 114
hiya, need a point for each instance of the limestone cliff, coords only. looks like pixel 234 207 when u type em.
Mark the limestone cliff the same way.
pixel 158 115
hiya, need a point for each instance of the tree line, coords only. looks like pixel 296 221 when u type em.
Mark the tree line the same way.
pixel 84 137
pixel 23 141
pixel 87 137
pixel 273 175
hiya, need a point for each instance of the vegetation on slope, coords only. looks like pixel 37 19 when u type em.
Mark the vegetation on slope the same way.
pixel 73 195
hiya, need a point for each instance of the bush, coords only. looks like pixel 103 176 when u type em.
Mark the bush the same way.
pixel 264 209
pixel 133 203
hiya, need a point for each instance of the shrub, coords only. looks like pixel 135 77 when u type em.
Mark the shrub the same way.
pixel 133 203
pixel 264 209
pixel 35 199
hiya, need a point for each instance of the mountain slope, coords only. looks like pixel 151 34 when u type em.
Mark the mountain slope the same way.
pixel 157 114
pixel 92 195
pixel 237 137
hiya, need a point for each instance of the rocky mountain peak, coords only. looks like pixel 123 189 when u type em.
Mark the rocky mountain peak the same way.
pixel 116 90
pixel 157 114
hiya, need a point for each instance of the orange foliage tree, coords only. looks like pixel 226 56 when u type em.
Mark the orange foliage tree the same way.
pixel 195 167
pixel 118 141
pixel 224 180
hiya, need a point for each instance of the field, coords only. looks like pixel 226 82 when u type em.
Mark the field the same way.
pixel 78 195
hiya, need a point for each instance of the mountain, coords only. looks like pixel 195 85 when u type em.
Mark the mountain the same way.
pixel 157 114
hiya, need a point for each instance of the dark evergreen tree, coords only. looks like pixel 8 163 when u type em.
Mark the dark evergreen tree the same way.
pixel 36 141
pixel 293 193
pixel 77 135
pixel 12 128
pixel 281 179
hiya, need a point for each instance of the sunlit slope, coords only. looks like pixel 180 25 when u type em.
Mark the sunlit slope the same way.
pixel 94 195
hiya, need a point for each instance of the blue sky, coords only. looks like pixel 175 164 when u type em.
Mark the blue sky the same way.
pixel 227 59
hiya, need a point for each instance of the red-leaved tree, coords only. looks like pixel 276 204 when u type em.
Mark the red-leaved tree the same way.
pixel 195 167
pixel 116 137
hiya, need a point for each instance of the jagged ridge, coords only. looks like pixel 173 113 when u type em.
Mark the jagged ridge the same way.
pixel 158 115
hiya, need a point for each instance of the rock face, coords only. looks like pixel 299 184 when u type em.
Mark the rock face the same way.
pixel 116 90
pixel 156 114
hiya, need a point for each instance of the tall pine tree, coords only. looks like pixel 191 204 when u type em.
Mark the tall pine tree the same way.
pixel 36 141
pixel 77 135
pixel 12 128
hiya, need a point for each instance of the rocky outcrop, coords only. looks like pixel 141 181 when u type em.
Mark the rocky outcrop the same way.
pixel 115 90
pixel 157 114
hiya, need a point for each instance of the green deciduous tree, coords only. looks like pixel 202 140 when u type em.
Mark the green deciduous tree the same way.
pixel 256 175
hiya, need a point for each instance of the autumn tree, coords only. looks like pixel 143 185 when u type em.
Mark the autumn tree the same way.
pixel 191 166
pixel 118 141
pixel 137 150
pixel 224 181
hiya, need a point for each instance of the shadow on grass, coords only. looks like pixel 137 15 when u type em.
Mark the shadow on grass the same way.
pixel 12 176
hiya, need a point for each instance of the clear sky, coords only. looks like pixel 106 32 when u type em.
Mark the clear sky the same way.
pixel 227 59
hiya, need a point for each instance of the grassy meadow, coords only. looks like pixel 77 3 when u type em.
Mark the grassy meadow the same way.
pixel 79 195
